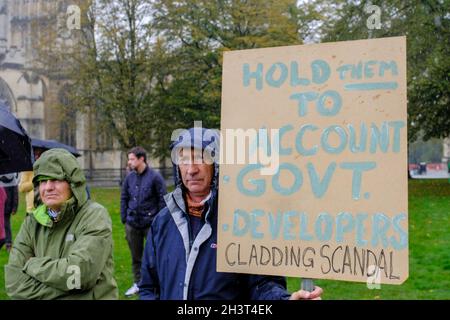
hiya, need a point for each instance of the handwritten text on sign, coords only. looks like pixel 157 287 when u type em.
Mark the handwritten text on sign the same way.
pixel 337 202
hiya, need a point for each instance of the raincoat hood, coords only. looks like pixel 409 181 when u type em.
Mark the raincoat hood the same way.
pixel 197 138
pixel 59 164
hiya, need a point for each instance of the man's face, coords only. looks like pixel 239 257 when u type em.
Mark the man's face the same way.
pixel 134 162
pixel 195 173
pixel 54 193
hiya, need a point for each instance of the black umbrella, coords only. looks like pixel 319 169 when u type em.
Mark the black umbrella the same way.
pixel 50 144
pixel 15 146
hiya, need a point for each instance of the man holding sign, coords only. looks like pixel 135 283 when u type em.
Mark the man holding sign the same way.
pixel 180 257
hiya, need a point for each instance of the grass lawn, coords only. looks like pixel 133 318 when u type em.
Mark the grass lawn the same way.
pixel 429 245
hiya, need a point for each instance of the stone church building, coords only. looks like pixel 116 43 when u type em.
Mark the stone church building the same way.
pixel 36 98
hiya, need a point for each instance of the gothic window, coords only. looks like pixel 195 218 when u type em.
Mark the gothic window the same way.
pixel 6 97
pixel 68 121
pixel 103 138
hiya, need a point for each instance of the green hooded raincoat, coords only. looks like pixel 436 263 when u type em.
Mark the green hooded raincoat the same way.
pixel 69 259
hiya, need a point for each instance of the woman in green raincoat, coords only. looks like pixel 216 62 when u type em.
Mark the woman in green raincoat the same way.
pixel 64 249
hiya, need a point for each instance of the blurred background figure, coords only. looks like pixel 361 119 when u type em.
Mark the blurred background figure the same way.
pixel 10 208
pixel 2 210
pixel 26 185
pixel 141 199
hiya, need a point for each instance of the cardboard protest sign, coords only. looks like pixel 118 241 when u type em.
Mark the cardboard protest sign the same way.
pixel 313 176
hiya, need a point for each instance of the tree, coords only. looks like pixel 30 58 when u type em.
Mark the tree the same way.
pixel 114 69
pixel 198 32
pixel 427 27
pixel 141 69
pixel 112 63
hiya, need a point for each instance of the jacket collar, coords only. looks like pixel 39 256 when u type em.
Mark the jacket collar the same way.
pixel 175 201
pixel 67 213
pixel 143 172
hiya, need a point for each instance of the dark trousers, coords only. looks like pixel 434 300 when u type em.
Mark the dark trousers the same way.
pixel 136 239
pixel 8 234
